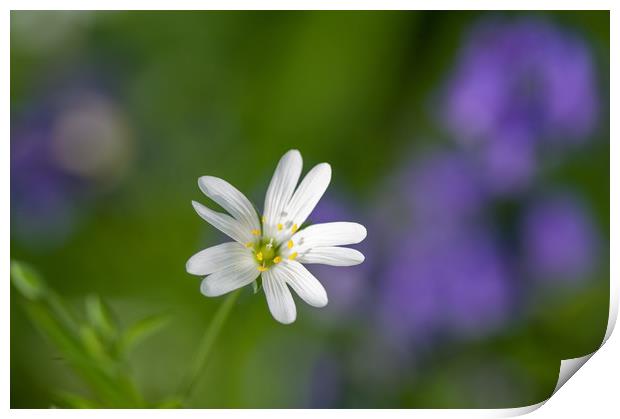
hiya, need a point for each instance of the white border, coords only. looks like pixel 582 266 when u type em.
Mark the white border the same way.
pixel 593 392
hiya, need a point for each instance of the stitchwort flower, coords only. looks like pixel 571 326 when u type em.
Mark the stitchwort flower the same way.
pixel 274 246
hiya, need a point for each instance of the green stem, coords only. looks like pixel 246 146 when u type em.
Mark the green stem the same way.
pixel 207 342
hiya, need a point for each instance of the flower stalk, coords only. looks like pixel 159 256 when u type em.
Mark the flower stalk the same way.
pixel 207 343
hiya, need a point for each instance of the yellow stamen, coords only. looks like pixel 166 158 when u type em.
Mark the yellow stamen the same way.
pixel 256 232
pixel 259 256
pixel 277 259
pixel 263 219
pixel 289 244
pixel 292 256
pixel 262 268
pixel 280 227
pixel 294 228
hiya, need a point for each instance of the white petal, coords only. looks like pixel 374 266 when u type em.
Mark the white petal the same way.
pixel 216 258
pixel 335 256
pixel 303 283
pixel 279 298
pixel 309 192
pixel 229 279
pixel 231 199
pixel 328 234
pixel 281 189
pixel 225 223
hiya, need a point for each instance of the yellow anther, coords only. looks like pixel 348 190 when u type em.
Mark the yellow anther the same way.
pixel 280 227
pixel 294 228
pixel 262 268
pixel 289 244
pixel 277 259
pixel 256 232
pixel 263 219
pixel 259 256
pixel 249 245
pixel 292 256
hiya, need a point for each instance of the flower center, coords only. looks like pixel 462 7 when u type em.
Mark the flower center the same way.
pixel 266 253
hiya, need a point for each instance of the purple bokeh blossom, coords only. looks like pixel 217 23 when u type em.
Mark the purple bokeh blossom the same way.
pixel 67 145
pixel 456 283
pixel 509 162
pixel 443 187
pixel 559 239
pixel 525 71
pixel 43 197
pixel 518 89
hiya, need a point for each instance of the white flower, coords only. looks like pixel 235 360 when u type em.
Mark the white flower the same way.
pixel 274 246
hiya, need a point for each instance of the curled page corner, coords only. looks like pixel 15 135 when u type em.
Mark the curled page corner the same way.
pixel 568 367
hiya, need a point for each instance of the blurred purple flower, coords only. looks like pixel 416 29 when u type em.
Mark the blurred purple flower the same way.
pixel 60 144
pixel 559 239
pixel 508 162
pixel 526 72
pixel 443 187
pixel 42 195
pixel 453 283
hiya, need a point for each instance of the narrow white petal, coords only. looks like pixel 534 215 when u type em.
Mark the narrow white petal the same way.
pixel 309 192
pixel 231 199
pixel 224 222
pixel 217 258
pixel 279 298
pixel 302 282
pixel 328 234
pixel 229 279
pixel 335 256
pixel 281 189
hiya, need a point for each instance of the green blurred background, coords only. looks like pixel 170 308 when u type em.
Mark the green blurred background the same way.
pixel 162 98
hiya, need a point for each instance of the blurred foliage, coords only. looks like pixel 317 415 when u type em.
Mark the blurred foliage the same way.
pixel 96 348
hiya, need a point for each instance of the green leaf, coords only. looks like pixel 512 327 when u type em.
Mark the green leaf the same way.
pixel 27 280
pixel 101 318
pixel 141 329
pixel 93 345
